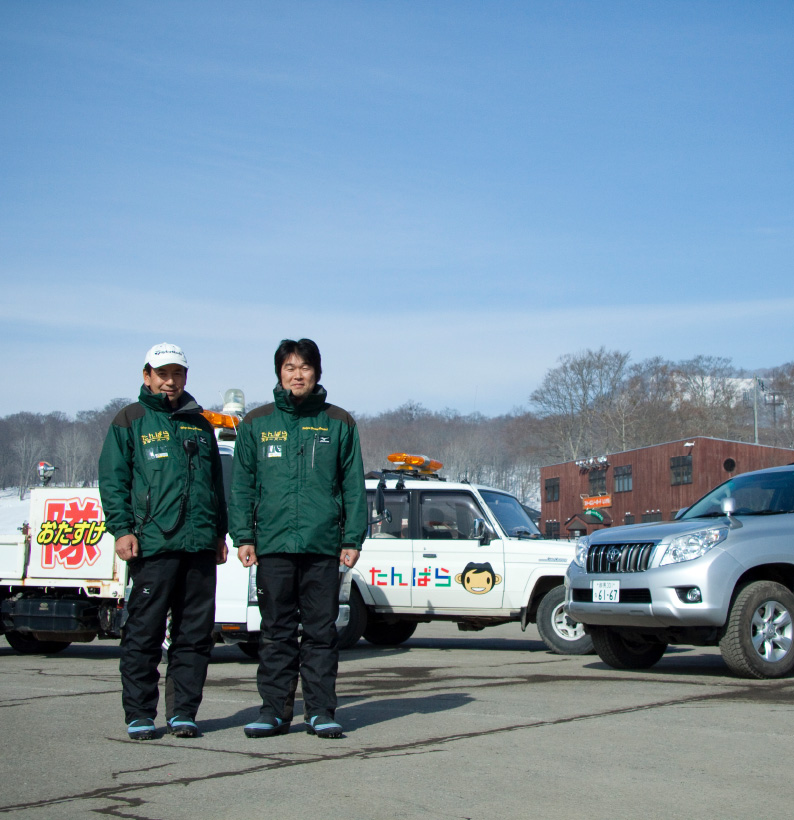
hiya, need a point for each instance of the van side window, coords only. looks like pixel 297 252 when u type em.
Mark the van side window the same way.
pixel 399 526
pixel 448 515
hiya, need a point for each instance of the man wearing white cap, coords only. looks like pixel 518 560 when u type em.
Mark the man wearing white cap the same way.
pixel 162 491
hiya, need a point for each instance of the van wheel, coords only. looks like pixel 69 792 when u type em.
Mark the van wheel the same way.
pixel 561 634
pixel 621 652
pixel 382 633
pixel 349 635
pixel 250 648
pixel 757 642
pixel 26 644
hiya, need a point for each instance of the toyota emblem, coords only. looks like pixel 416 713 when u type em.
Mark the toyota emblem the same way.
pixel 613 555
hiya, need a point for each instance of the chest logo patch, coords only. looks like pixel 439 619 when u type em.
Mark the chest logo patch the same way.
pixel 324 440
pixel 274 451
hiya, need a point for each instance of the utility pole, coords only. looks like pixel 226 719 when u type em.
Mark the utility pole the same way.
pixel 756 383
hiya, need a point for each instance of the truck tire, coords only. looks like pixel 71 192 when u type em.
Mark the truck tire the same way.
pixel 561 634
pixel 349 635
pixel 381 633
pixel 28 645
pixel 620 652
pixel 757 642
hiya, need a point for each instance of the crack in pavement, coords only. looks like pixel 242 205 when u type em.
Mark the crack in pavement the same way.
pixel 272 762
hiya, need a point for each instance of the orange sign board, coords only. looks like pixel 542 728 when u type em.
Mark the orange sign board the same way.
pixel 597 502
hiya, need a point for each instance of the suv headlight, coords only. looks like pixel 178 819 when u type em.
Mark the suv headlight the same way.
pixel 582 545
pixel 693 545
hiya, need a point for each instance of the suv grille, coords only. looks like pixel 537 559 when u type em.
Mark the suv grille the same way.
pixel 620 557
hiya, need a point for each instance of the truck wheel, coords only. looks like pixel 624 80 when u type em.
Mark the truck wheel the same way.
pixel 28 645
pixel 561 634
pixel 757 642
pixel 621 652
pixel 382 633
pixel 349 634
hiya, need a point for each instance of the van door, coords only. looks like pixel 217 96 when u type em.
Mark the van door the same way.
pixel 453 570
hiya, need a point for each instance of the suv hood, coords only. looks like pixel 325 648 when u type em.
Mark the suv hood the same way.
pixel 654 531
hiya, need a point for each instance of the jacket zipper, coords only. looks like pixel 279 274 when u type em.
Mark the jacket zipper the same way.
pixel 314 447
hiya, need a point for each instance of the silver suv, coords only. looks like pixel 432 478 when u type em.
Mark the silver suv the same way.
pixel 721 574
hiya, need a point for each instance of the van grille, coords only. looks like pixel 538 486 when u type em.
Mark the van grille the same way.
pixel 620 557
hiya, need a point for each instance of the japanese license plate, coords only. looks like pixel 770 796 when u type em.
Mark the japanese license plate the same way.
pixel 606 592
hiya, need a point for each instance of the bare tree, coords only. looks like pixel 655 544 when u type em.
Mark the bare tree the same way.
pixel 577 396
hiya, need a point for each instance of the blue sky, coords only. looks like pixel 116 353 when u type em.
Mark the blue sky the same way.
pixel 446 196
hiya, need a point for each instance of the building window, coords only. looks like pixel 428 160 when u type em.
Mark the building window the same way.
pixel 623 482
pixel 552 489
pixel 552 529
pixel 651 516
pixel 598 482
pixel 628 518
pixel 680 470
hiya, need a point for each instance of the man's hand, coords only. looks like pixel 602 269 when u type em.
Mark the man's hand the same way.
pixel 349 557
pixel 127 547
pixel 247 554
pixel 221 551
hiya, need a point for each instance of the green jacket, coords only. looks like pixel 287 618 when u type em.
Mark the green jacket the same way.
pixel 298 478
pixel 144 480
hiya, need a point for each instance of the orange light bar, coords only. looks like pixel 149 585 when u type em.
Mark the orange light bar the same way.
pixel 406 461
pixel 221 419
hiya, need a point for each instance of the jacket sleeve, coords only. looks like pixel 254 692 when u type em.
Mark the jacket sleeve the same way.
pixel 354 493
pixel 244 493
pixel 115 480
pixel 222 524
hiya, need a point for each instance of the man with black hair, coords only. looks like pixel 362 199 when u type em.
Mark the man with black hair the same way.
pixel 298 511
pixel 162 491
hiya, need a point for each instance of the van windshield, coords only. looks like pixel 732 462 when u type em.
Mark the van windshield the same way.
pixel 510 514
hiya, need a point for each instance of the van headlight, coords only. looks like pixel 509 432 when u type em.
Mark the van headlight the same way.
pixel 693 545
pixel 582 545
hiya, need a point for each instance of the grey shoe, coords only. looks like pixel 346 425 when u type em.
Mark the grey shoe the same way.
pixel 179 726
pixel 323 725
pixel 266 725
pixel 141 729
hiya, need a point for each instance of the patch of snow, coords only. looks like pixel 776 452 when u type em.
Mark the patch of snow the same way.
pixel 13 512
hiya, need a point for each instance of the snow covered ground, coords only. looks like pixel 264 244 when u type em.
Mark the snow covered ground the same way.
pixel 13 512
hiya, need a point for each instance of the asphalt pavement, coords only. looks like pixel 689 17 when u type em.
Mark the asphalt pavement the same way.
pixel 449 725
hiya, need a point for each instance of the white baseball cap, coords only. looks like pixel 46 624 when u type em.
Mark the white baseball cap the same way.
pixel 165 353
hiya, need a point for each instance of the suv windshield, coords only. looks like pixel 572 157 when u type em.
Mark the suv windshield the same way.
pixel 510 514
pixel 763 493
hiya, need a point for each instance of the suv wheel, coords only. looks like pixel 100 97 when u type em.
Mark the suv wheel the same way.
pixel 559 632
pixel 622 652
pixel 757 642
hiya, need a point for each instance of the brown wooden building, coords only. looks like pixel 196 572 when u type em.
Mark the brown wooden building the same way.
pixel 647 484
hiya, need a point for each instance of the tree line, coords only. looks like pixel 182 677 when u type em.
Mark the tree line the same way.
pixel 591 403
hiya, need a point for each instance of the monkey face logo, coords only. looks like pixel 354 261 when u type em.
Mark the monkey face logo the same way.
pixel 478 578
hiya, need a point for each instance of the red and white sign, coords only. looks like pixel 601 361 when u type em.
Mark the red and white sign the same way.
pixel 596 502
pixel 68 534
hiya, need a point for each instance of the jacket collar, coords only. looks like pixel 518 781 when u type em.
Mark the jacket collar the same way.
pixel 311 404
pixel 160 404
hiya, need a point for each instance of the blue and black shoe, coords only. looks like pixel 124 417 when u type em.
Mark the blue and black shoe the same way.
pixel 323 725
pixel 266 725
pixel 180 726
pixel 141 729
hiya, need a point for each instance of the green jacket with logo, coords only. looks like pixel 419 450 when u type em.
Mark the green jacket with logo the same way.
pixel 298 479
pixel 146 485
